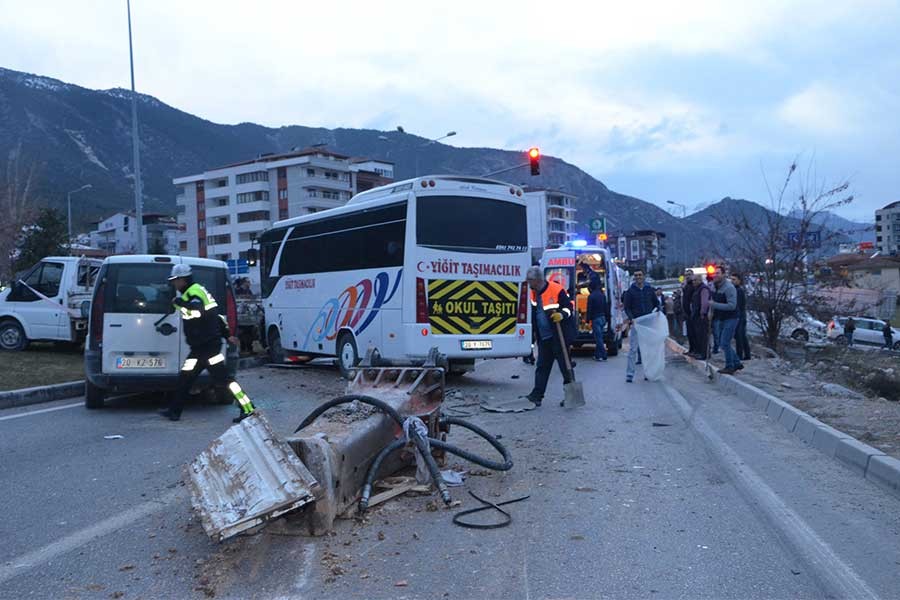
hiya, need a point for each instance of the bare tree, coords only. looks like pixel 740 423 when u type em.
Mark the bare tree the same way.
pixel 772 247
pixel 16 190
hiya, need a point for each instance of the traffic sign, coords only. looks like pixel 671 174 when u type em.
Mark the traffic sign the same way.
pixel 238 266
pixel 598 225
pixel 812 239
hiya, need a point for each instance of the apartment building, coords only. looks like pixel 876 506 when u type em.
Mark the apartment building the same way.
pixel 642 249
pixel 887 229
pixel 221 211
pixel 117 234
pixel 551 219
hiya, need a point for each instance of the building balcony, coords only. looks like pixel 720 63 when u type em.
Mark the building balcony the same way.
pixel 326 183
pixel 240 188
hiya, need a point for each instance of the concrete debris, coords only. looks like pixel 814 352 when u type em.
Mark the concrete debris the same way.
pixel 114 437
pixel 834 389
pixel 508 406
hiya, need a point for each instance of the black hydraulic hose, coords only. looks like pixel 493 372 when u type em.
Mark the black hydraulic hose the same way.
pixel 384 406
pixel 373 471
pixel 422 444
pixel 469 456
pixel 507 463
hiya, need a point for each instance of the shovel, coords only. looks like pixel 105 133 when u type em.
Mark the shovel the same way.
pixel 574 393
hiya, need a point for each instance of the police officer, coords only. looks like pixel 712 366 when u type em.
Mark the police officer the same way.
pixel 550 305
pixel 204 329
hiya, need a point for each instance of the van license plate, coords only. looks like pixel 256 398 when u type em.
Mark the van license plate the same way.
pixel 140 362
pixel 477 344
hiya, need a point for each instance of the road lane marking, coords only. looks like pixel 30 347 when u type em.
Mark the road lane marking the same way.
pixel 836 576
pixel 41 411
pixel 20 564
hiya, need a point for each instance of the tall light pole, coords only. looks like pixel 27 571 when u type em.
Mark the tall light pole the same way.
pixel 86 186
pixel 683 241
pixel 135 142
pixel 428 143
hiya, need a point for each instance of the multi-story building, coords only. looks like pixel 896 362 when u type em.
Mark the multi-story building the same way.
pixel 221 211
pixel 371 173
pixel 117 234
pixel 642 249
pixel 887 229
pixel 551 219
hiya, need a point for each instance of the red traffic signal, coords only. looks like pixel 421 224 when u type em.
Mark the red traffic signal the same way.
pixel 534 160
pixel 710 269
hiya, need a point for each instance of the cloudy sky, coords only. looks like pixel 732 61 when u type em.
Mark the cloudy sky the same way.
pixel 684 101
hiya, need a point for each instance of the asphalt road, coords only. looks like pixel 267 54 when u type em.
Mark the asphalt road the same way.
pixel 653 490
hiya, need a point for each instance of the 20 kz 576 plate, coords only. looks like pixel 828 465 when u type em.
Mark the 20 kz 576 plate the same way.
pixel 140 362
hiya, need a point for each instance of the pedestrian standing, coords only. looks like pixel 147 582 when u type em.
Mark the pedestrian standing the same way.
pixel 670 313
pixel 640 299
pixel 598 315
pixel 678 307
pixel 700 318
pixel 204 329
pixel 888 334
pixel 550 305
pixel 849 328
pixel 725 312
pixel 687 297
pixel 740 336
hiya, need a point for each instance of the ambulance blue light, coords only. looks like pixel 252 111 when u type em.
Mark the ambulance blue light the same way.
pixel 576 243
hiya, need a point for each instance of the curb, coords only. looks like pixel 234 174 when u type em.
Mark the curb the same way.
pixel 73 389
pixel 871 463
pixel 40 394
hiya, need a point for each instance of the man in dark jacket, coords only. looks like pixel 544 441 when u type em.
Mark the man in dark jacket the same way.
pixel 640 299
pixel 204 329
pixel 700 318
pixel 551 310
pixel 725 313
pixel 598 316
pixel 888 334
pixel 687 296
pixel 740 337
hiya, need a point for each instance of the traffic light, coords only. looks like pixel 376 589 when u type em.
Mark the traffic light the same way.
pixel 710 271
pixel 534 159
pixel 603 237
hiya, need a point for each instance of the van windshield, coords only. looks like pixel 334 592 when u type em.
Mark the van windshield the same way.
pixel 144 287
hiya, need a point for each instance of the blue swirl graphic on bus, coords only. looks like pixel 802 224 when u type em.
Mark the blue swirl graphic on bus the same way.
pixel 347 310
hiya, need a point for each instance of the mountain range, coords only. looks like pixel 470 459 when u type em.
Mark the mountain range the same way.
pixel 74 135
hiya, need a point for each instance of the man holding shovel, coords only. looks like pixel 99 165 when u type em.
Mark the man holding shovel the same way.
pixel 551 312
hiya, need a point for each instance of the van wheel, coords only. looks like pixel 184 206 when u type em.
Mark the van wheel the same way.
pixel 94 397
pixel 896 346
pixel 841 340
pixel 348 356
pixel 219 396
pixel 275 350
pixel 12 337
pixel 612 348
pixel 800 335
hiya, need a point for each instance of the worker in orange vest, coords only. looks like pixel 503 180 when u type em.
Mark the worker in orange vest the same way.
pixel 550 304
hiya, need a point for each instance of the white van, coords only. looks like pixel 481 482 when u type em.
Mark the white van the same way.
pixel 564 266
pixel 135 342
pixel 45 302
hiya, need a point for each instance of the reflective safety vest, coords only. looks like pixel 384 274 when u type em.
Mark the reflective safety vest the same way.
pixel 199 313
pixel 550 298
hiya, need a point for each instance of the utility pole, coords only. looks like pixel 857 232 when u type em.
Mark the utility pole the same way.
pixel 683 241
pixel 86 186
pixel 141 247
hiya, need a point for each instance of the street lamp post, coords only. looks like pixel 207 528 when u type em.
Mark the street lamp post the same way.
pixel 683 241
pixel 428 143
pixel 86 186
pixel 138 193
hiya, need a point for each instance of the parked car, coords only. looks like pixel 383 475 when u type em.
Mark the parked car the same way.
pixel 125 349
pixel 45 302
pixel 869 331
pixel 800 326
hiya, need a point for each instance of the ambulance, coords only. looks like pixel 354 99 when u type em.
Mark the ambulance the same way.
pixel 564 266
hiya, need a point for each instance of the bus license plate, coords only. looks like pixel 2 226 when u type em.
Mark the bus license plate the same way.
pixel 477 344
pixel 142 362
